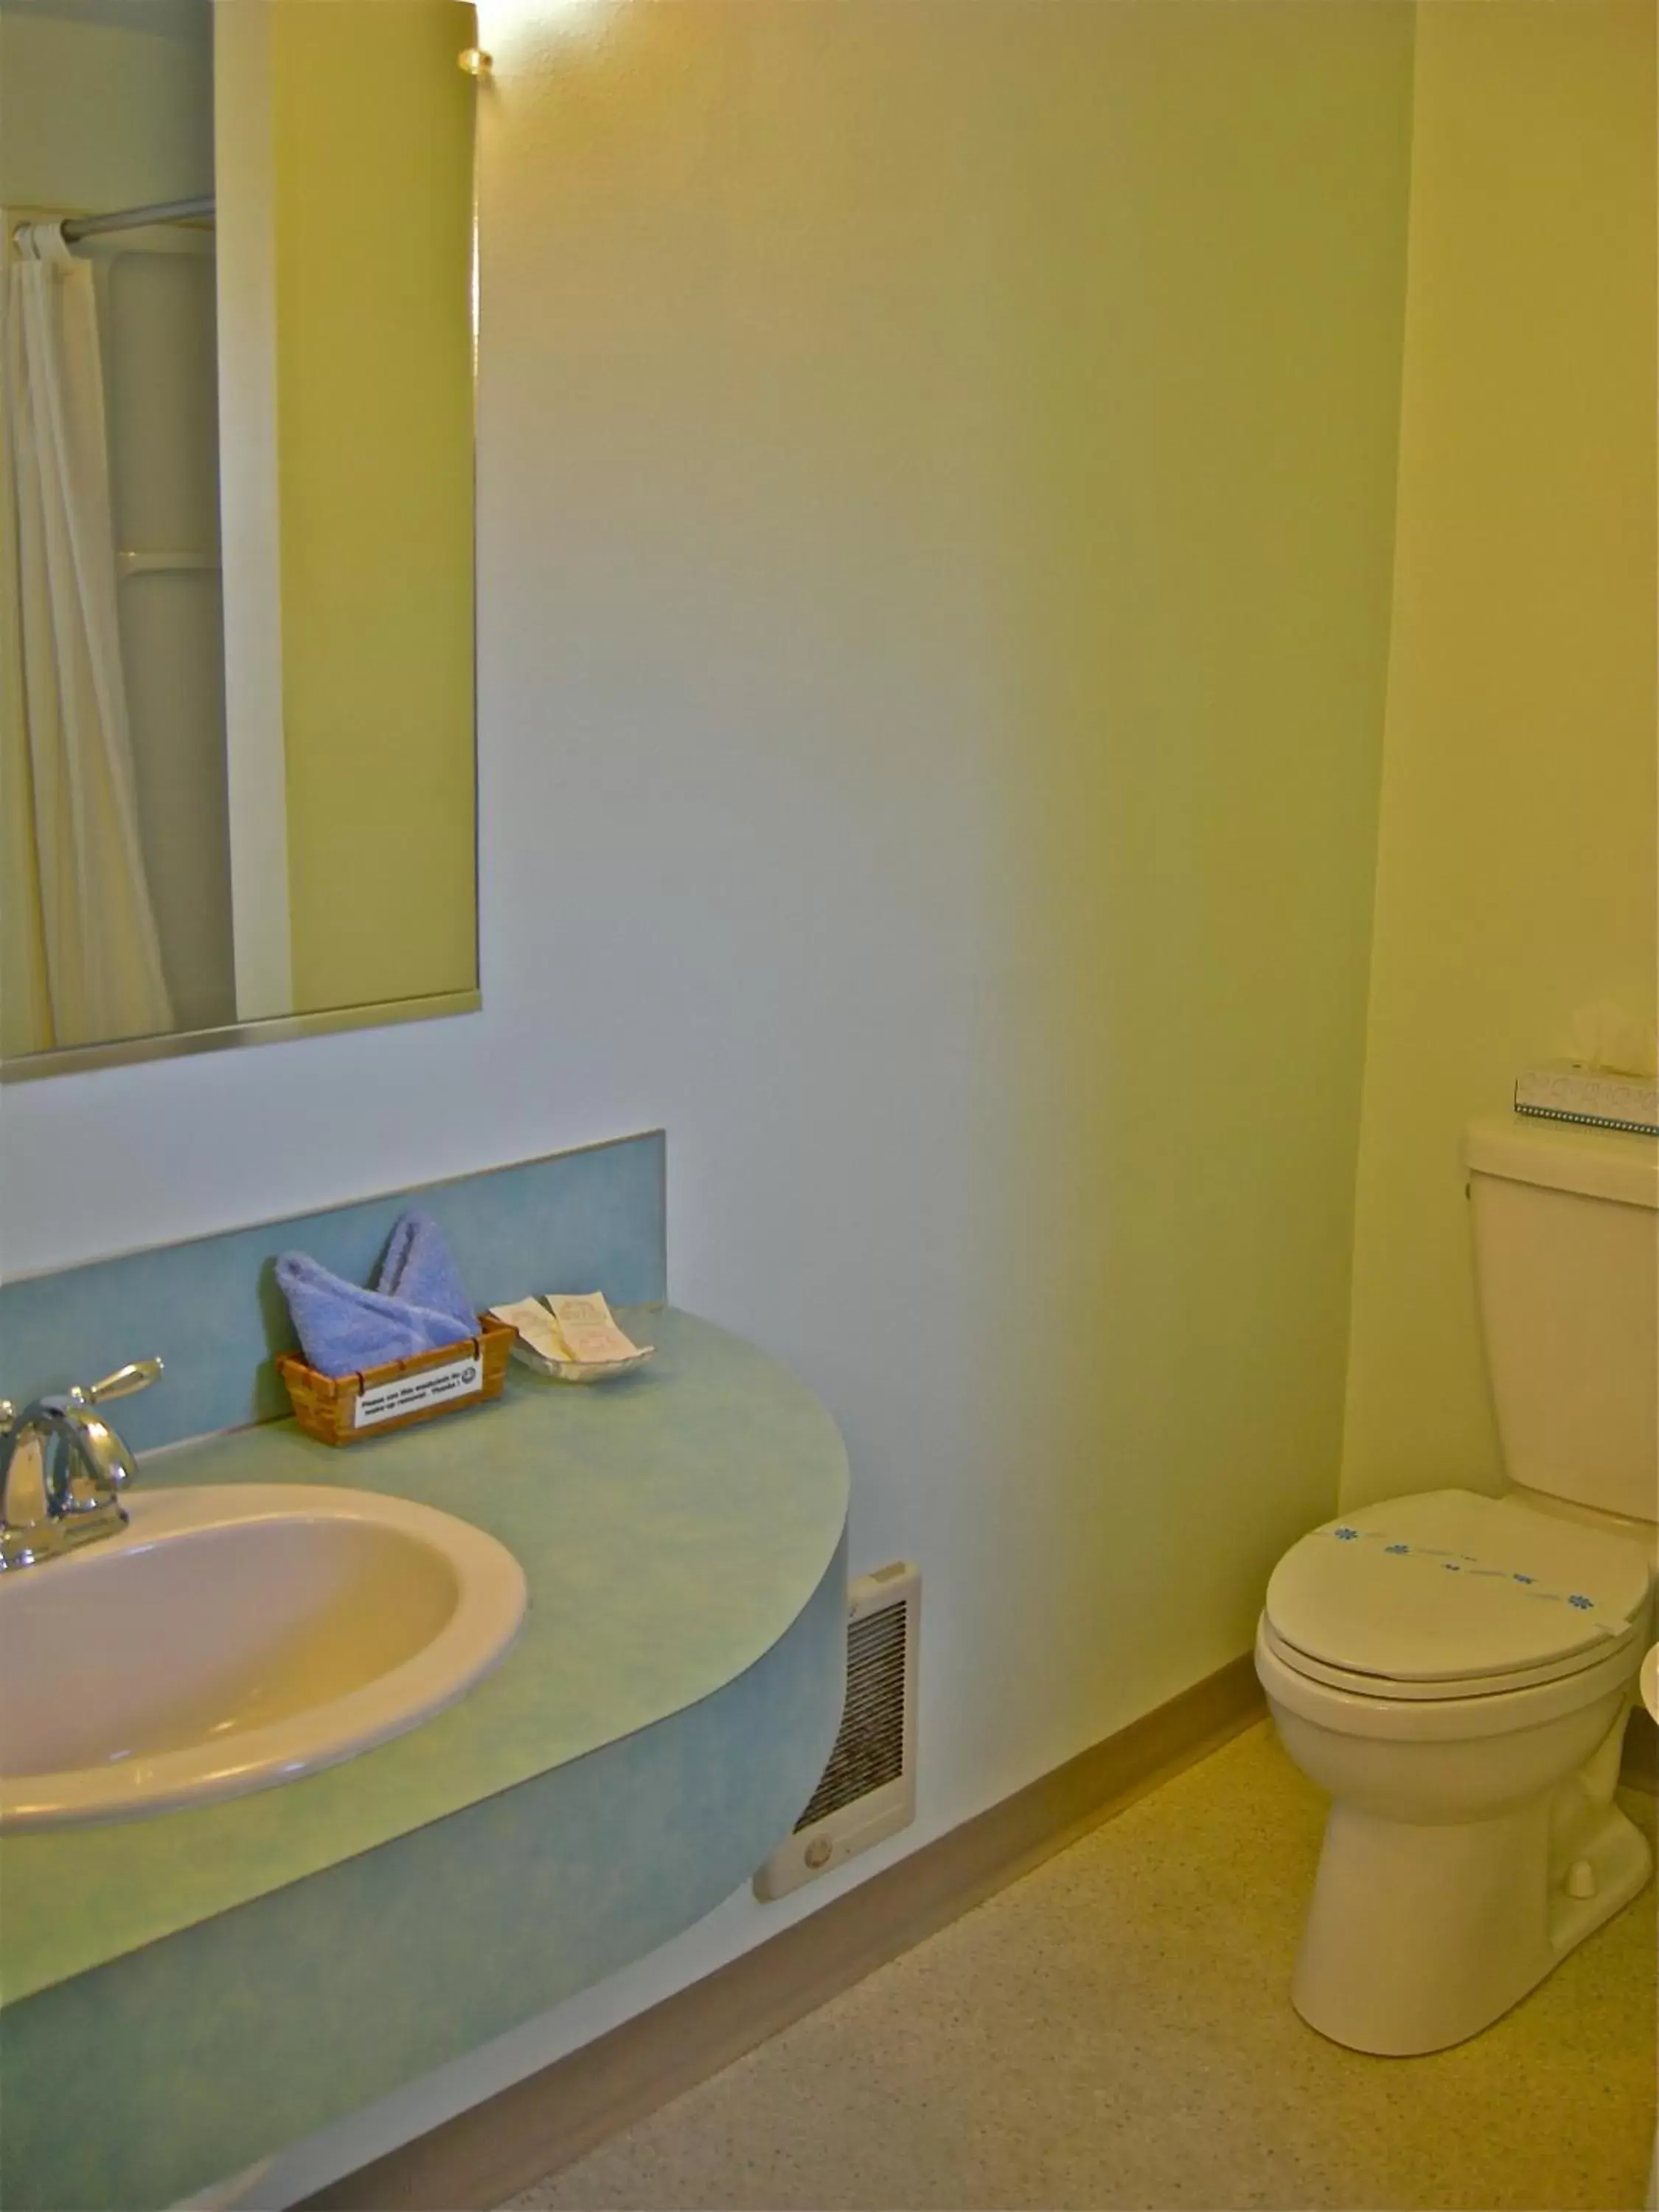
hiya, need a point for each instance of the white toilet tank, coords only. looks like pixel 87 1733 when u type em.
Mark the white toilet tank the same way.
pixel 1566 1248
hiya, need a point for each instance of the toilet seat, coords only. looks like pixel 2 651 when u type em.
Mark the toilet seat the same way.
pixel 1442 1688
pixel 1452 1595
pixel 1376 1713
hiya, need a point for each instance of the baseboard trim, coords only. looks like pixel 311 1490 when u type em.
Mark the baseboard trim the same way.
pixel 559 2114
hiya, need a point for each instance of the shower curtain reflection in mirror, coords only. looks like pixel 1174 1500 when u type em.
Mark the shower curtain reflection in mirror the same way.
pixel 87 959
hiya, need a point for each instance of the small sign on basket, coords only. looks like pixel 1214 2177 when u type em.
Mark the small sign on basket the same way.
pixel 412 1393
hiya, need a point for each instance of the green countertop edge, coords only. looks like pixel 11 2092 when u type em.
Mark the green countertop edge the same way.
pixel 672 1526
pixel 131 2087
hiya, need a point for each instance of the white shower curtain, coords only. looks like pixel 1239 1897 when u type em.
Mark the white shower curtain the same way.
pixel 96 923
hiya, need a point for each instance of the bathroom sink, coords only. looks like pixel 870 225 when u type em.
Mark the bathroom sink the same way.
pixel 229 1639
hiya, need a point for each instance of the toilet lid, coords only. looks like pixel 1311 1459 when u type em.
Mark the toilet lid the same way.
pixel 1450 1587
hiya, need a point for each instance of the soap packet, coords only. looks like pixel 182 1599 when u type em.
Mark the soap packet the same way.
pixel 571 1336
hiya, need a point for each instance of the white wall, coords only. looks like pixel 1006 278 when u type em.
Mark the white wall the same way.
pixel 936 482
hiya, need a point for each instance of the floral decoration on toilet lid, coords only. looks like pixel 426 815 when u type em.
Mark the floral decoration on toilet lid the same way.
pixel 1450 1585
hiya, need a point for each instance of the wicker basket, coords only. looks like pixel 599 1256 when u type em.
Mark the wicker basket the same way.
pixel 344 1409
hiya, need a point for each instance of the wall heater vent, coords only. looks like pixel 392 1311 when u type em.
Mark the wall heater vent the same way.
pixel 869 1787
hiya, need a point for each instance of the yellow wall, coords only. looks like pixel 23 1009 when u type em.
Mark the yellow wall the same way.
pixel 372 150
pixel 1516 878
pixel 1210 296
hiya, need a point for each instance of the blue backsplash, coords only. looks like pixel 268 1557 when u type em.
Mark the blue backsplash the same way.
pixel 592 1219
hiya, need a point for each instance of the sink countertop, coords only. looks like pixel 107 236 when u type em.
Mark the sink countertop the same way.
pixel 669 1525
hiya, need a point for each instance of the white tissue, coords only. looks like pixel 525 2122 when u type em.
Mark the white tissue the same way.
pixel 1605 1036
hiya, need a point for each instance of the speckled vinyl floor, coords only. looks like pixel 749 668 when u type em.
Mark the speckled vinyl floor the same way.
pixel 1115 2030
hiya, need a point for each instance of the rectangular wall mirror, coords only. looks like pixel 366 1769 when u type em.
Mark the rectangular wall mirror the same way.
pixel 237 325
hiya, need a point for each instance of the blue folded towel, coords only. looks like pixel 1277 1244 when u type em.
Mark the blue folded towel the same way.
pixel 418 1270
pixel 418 1305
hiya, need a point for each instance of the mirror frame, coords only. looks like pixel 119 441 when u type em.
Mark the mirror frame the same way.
pixel 274 1029
pixel 280 1029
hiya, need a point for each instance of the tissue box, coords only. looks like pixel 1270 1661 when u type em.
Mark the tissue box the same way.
pixel 344 1409
pixel 1570 1091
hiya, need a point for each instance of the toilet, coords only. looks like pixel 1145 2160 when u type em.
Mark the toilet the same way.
pixel 1456 1669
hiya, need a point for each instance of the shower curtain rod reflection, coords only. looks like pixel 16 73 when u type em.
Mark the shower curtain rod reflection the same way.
pixel 138 218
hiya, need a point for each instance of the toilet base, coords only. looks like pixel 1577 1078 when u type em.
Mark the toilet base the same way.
pixel 1419 1936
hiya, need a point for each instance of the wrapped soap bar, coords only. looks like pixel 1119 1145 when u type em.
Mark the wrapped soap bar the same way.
pixel 570 1336
pixel 587 1326
pixel 534 1326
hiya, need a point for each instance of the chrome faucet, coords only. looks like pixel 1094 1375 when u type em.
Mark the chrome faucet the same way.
pixel 61 1467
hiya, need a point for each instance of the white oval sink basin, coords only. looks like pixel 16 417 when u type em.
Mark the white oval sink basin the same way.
pixel 229 1639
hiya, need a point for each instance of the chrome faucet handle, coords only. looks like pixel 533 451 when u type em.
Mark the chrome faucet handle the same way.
pixel 136 1375
pixel 105 1464
pixel 61 1467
